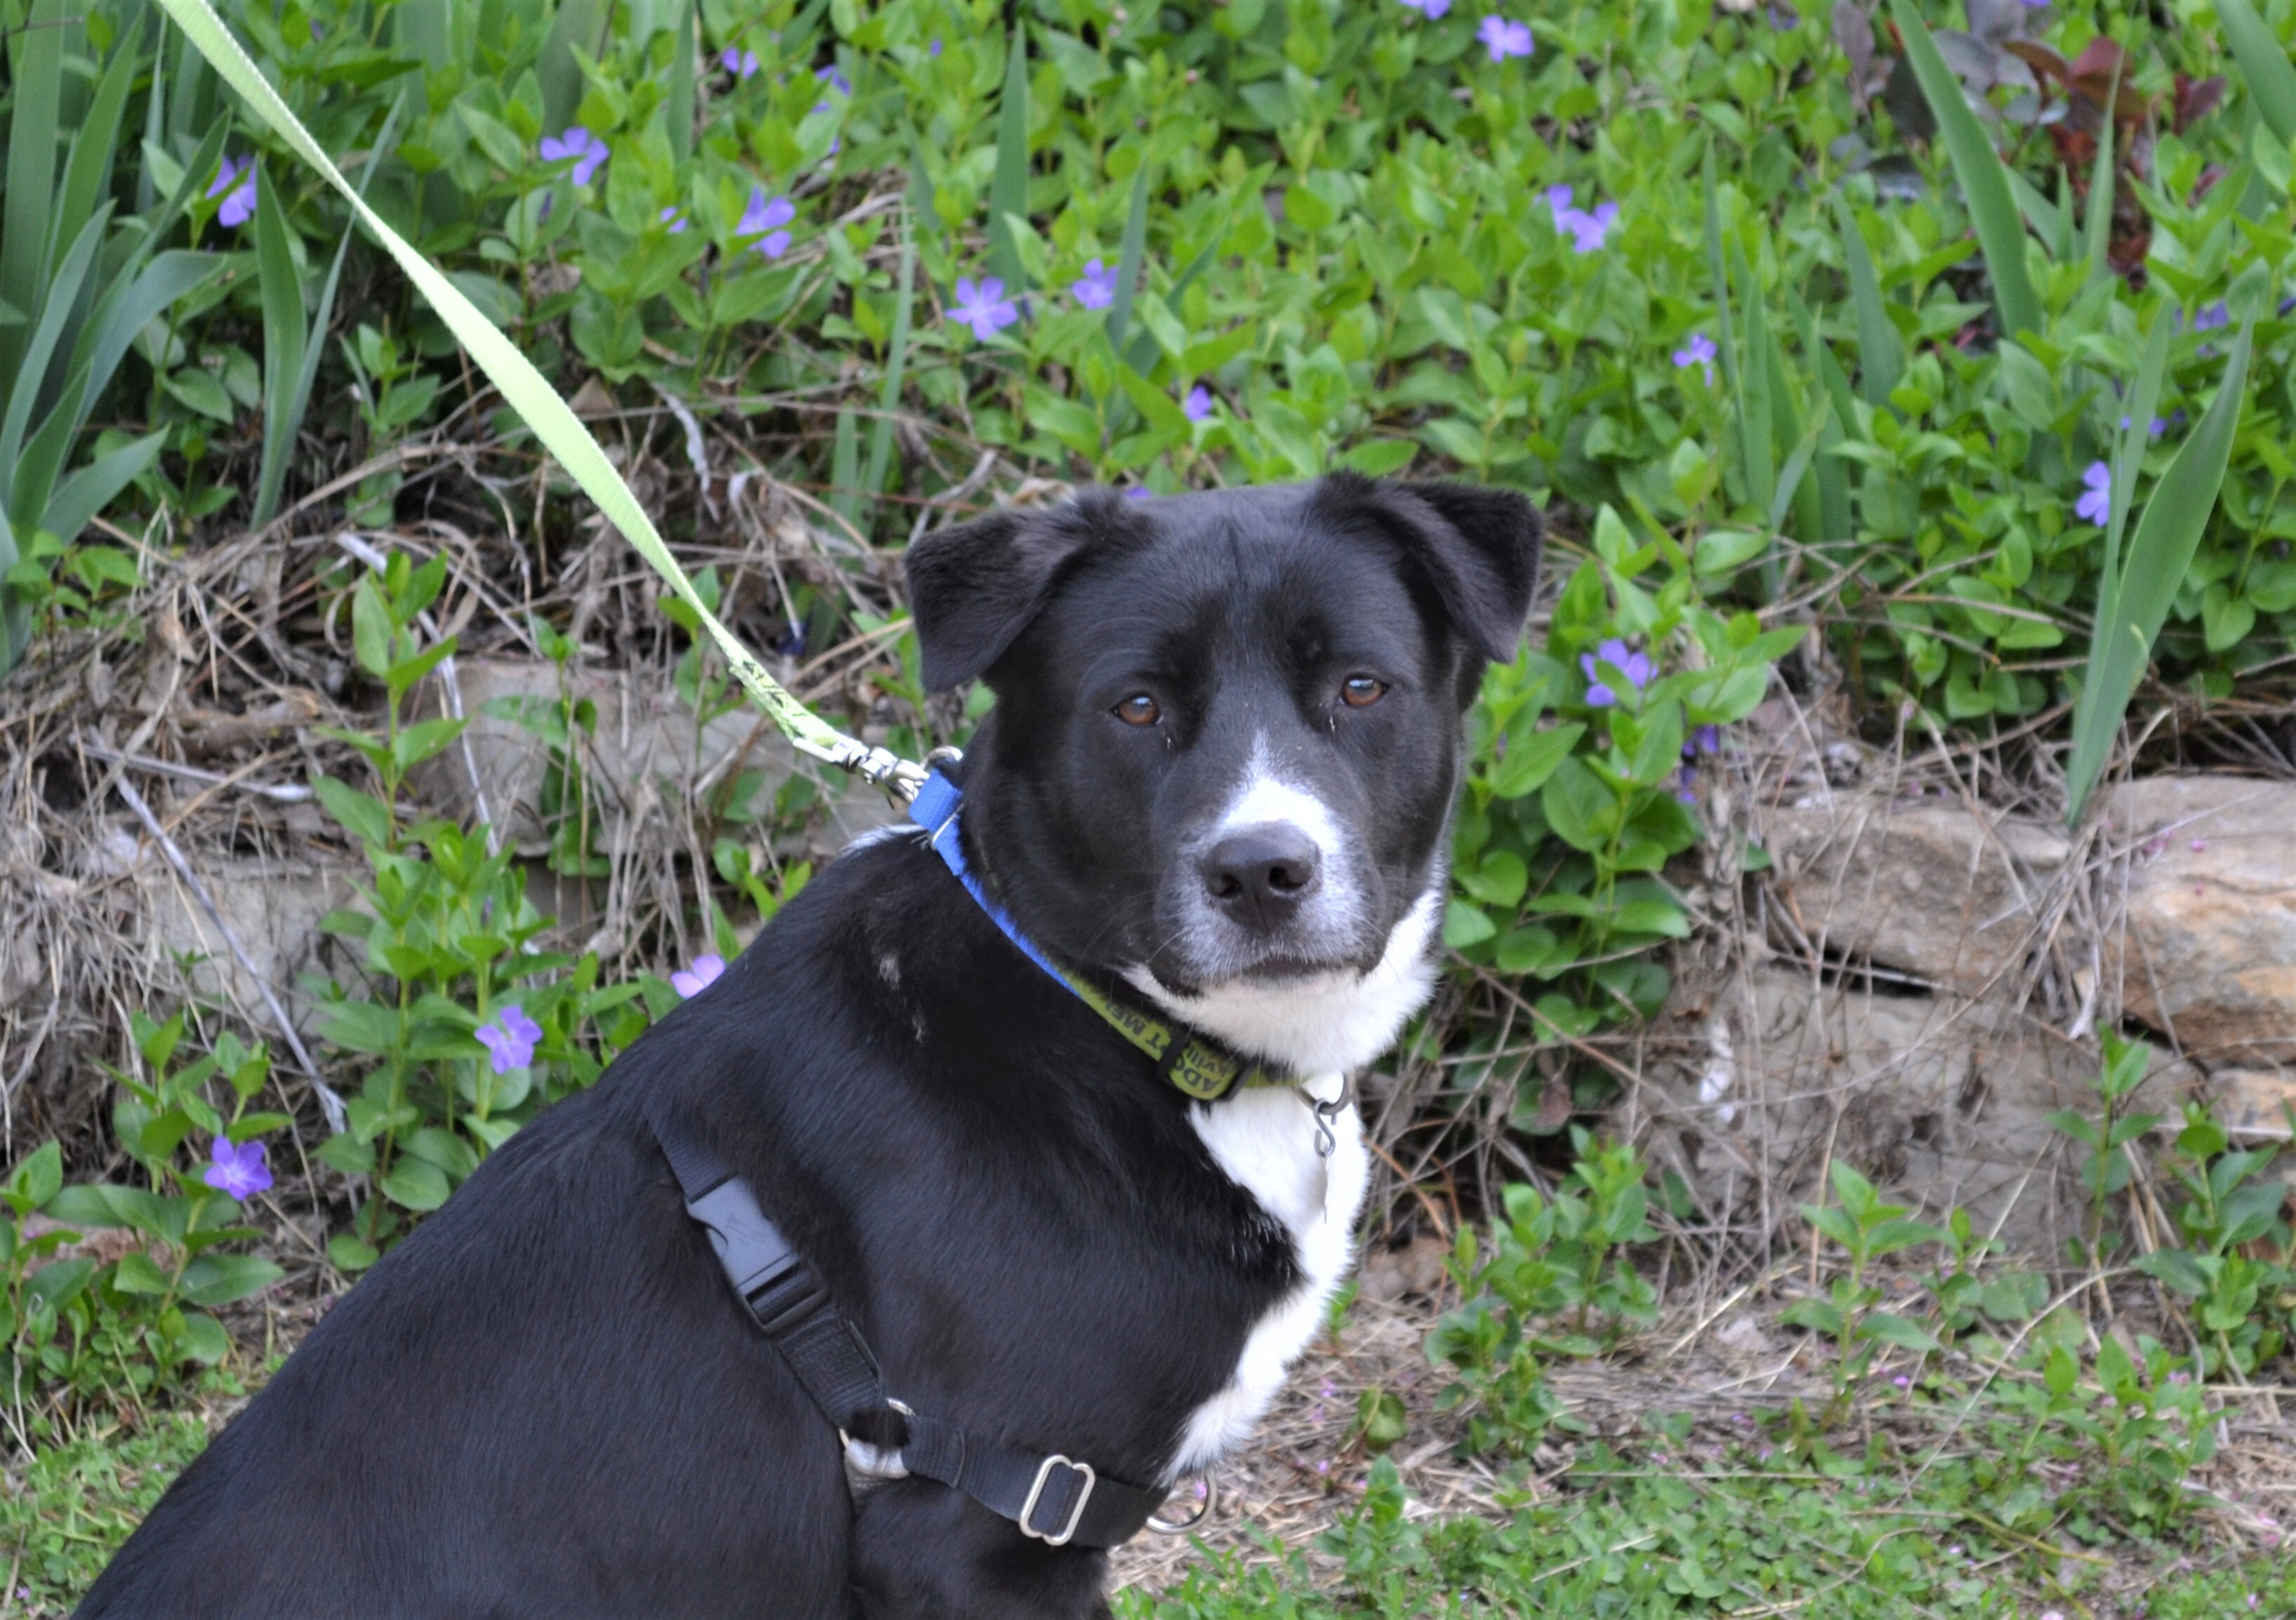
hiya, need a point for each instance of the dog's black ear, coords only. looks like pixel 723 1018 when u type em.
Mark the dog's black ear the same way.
pixel 1479 546
pixel 975 587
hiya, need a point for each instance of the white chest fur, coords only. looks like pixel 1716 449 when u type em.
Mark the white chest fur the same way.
pixel 1265 1139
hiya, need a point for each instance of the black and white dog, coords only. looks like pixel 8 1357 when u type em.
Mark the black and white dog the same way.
pixel 1217 782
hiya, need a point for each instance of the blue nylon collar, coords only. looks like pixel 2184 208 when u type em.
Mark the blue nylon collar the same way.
pixel 936 808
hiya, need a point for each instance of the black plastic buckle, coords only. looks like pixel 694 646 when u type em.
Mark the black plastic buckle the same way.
pixel 1087 1479
pixel 750 1248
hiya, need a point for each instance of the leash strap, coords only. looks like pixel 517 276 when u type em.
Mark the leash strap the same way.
pixel 554 421
pixel 1053 1498
pixel 1201 1068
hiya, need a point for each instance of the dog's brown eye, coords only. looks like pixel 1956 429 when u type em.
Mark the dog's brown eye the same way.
pixel 1139 709
pixel 1361 691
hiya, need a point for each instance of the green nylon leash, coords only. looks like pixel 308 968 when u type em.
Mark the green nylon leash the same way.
pixel 1200 1068
pixel 553 421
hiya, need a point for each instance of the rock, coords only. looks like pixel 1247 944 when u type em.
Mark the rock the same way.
pixel 2209 955
pixel 644 740
pixel 1942 1099
pixel 273 909
pixel 2253 1104
pixel 1416 1268
pixel 1927 888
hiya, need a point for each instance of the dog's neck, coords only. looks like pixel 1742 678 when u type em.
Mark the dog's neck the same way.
pixel 1333 1023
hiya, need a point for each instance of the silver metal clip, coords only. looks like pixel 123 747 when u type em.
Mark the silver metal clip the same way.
pixel 1076 1514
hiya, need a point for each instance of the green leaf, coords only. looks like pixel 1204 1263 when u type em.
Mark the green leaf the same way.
pixel 62 295
pixel 1463 925
pixel 1531 757
pixel 1896 1330
pixel 358 813
pixel 91 489
pixel 1131 255
pixel 36 79
pixel 1008 189
pixel 2159 552
pixel 137 1274
pixel 103 1204
pixel 202 393
pixel 1984 177
pixel 1818 1314
pixel 283 337
pixel 1582 811
pixel 203 1339
pixel 217 1280
pixel 2263 63
pixel 58 1284
pixel 416 1184
pixel 348 1254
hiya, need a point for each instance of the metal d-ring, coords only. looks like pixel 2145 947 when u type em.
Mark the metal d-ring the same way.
pixel 1204 1510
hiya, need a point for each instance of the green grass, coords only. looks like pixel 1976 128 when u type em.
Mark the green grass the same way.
pixel 1728 1537
pixel 61 1516
pixel 1735 1541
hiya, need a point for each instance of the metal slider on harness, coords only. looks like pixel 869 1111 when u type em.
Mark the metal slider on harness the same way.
pixel 1028 1520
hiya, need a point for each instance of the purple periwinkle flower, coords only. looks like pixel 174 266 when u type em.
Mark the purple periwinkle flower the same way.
pixel 2212 317
pixel 2095 505
pixel 1198 405
pixel 1703 739
pixel 707 970
pixel 675 218
pixel 933 48
pixel 237 1172
pixel 983 307
pixel 1432 10
pixel 834 78
pixel 1635 666
pixel 739 62
pixel 235 183
pixel 764 218
pixel 509 1036
pixel 1096 288
pixel 1503 38
pixel 1697 350
pixel 1586 230
pixel 586 151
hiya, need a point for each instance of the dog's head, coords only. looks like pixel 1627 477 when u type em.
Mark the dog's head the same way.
pixel 1226 739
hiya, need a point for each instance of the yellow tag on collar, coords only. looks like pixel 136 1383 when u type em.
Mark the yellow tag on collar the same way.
pixel 1199 1068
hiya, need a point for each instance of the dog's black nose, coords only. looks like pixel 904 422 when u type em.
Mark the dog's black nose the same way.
pixel 1259 874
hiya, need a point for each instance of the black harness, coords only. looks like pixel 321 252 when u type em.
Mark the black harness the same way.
pixel 1053 1498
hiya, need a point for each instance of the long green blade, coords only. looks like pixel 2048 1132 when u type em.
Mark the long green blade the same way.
pixel 1881 351
pixel 1008 188
pixel 61 293
pixel 2159 555
pixel 1984 177
pixel 1757 428
pixel 553 422
pixel 677 102
pixel 2097 228
pixel 2263 63
pixel 1130 256
pixel 1716 266
pixel 283 338
pixel 89 169
pixel 2129 447
pixel 89 491
pixel 37 83
pixel 897 360
pixel 323 316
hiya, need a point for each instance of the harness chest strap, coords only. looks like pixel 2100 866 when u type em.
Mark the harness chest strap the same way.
pixel 1052 1499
